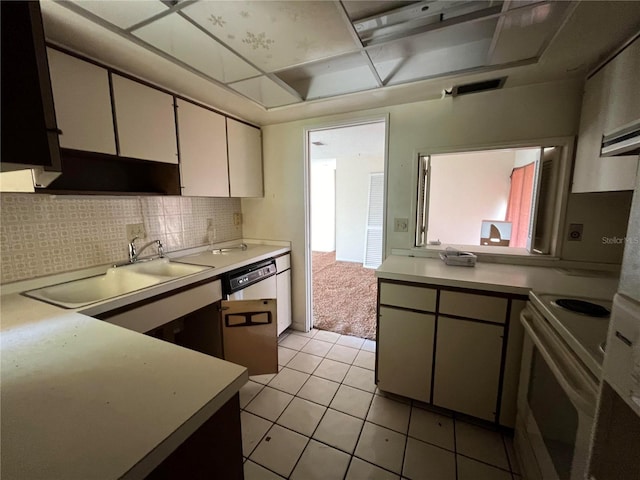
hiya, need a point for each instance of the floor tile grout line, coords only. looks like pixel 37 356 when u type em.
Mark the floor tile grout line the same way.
pixel 484 462
pixel 406 440
pixel 355 447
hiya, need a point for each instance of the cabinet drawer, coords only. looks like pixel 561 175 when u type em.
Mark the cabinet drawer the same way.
pixel 152 315
pixel 407 296
pixel 283 263
pixel 470 305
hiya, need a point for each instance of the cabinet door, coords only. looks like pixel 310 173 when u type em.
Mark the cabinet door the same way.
pixel 83 103
pixel 29 131
pixel 249 334
pixel 512 361
pixel 145 121
pixel 284 300
pixel 467 369
pixel 203 151
pixel 405 353
pixel 624 78
pixel 610 97
pixel 245 159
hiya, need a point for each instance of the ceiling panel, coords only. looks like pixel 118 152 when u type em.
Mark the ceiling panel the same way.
pixel 123 13
pixel 265 91
pixel 177 37
pixel 525 32
pixel 439 52
pixel 276 34
pixel 337 76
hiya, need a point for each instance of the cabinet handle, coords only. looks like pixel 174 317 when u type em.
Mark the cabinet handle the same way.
pixel 624 339
pixel 55 130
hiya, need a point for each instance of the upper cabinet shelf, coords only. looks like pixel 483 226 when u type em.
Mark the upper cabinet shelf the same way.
pixel 610 102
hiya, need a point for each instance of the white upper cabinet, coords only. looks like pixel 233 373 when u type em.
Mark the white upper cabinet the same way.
pixel 245 159
pixel 610 102
pixel 82 103
pixel 203 151
pixel 145 121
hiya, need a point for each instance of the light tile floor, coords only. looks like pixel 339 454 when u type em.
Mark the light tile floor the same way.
pixel 322 417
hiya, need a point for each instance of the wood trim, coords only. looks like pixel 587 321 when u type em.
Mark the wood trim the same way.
pixel 212 451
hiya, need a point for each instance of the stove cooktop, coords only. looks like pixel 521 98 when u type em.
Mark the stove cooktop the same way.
pixel 584 330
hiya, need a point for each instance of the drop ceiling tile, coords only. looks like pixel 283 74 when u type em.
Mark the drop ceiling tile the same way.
pixel 337 76
pixel 276 34
pixel 123 13
pixel 177 37
pixel 435 53
pixel 265 91
pixel 525 32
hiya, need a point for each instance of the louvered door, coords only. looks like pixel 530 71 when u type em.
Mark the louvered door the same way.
pixel 373 232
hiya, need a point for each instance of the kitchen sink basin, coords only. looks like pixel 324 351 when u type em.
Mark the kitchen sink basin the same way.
pixel 114 282
pixel 162 267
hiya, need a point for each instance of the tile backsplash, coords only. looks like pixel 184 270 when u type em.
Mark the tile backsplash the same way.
pixel 43 234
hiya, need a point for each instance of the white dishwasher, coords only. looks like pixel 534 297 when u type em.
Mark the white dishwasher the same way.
pixel 249 317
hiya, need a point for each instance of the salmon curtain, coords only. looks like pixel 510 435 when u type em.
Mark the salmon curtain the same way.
pixel 519 205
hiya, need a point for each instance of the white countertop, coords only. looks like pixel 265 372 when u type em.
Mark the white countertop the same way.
pixel 81 396
pixel 516 279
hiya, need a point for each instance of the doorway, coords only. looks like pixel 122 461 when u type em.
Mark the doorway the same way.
pixel 345 219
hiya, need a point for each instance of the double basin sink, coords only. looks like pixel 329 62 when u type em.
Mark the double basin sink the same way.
pixel 114 282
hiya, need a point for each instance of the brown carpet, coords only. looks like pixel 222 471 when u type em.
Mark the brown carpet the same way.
pixel 344 296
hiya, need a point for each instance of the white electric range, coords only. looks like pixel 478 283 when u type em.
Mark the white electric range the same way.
pixel 559 381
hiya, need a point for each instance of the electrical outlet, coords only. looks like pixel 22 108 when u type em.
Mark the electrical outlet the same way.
pixel 209 223
pixel 400 224
pixel 135 230
pixel 575 232
pixel 237 219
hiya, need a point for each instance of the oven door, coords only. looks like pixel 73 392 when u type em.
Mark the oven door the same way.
pixel 556 404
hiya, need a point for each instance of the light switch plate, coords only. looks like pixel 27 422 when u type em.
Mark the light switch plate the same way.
pixel 400 224
pixel 237 219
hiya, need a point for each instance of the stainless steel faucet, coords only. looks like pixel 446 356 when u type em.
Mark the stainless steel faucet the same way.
pixel 134 253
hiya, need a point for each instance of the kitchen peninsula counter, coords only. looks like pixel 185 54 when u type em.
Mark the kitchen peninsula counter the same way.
pixel 496 277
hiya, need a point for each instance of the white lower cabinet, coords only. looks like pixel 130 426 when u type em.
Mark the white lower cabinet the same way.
pixel 467 330
pixel 467 369
pixel 512 362
pixel 405 352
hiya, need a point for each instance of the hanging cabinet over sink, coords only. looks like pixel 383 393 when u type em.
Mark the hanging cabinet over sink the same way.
pixel 82 103
pixel 204 170
pixel 124 135
pixel 145 121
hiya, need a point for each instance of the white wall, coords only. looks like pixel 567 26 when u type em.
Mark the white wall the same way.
pixel 520 113
pixel 323 205
pixel 352 192
pixel 466 189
